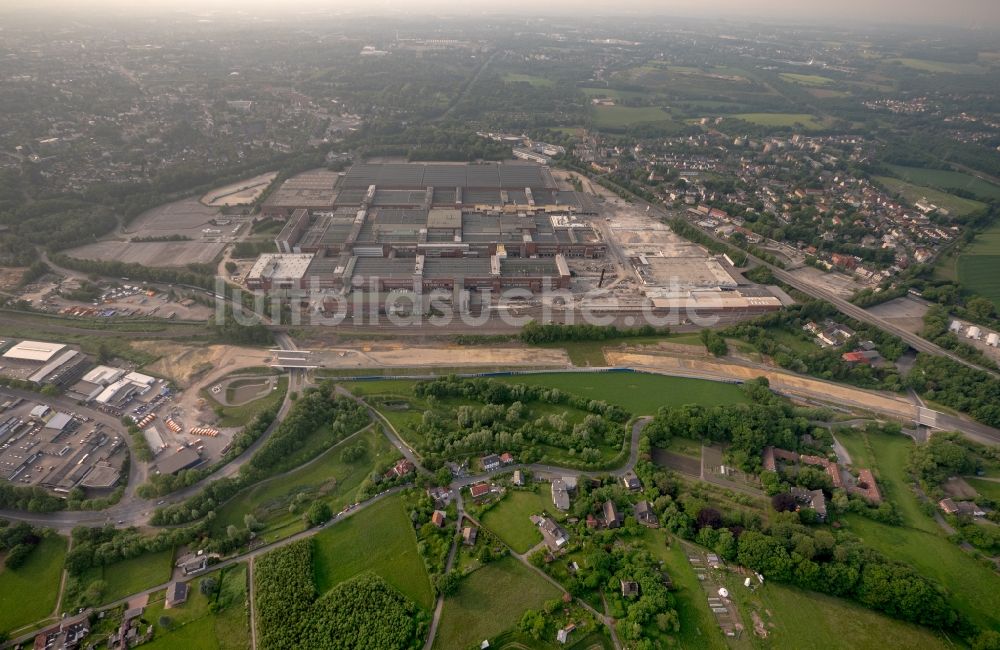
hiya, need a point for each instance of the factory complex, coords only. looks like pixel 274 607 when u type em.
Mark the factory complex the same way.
pixel 478 230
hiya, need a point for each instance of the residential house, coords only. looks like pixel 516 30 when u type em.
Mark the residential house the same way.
pixel 177 594
pixel 469 535
pixel 644 515
pixel 479 490
pixel 440 495
pixel 630 588
pixel 560 494
pixel 562 636
pixel 612 518
pixel 490 463
pixel 813 499
pixel 519 478
pixel 951 507
pixel 552 534
pixel 631 482
pixel 506 458
pixel 438 518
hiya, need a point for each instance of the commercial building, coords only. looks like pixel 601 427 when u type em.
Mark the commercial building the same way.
pixel 279 271
pixel 313 190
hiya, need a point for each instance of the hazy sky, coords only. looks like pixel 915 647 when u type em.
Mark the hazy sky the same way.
pixel 963 13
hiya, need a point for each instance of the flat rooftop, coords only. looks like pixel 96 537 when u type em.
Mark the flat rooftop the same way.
pixel 33 351
pixel 280 265
pixel 490 175
pixel 313 189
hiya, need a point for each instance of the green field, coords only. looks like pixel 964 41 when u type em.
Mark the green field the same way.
pixel 990 489
pixel 195 627
pixel 979 274
pixel 946 179
pixel 514 77
pixel 29 593
pixel 976 266
pixel 641 394
pixel 920 541
pixel 489 602
pixel 238 416
pixel 804 619
pixel 132 576
pixel 790 120
pixel 509 518
pixel 379 539
pixel 805 79
pixel 939 67
pixel 611 117
pixel 327 477
pixel 611 93
pixel 955 205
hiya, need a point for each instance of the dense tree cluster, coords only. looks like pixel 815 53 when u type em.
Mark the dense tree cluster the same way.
pixel 507 420
pixel 18 541
pixel 957 386
pixel 534 332
pixel 748 428
pixel 361 613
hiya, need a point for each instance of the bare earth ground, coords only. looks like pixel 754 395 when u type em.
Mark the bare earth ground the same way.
pixel 391 355
pixel 780 381
pixel 10 278
pixel 242 192
pixel 186 217
pixel 835 282
pixel 195 366
pixel 906 312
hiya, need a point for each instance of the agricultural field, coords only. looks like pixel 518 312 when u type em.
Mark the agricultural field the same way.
pixel 976 266
pixel 132 576
pixel 789 120
pixel 39 576
pixel 978 274
pixel 214 622
pixel 945 179
pixel 328 477
pixel 911 193
pixel 491 601
pixel 515 77
pixel 509 518
pixel 639 393
pixel 939 67
pixel 612 93
pixel 380 539
pixel 795 618
pixel 612 117
pixel 805 79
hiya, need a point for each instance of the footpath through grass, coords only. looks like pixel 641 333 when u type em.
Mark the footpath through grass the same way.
pixel 490 602
pixel 29 593
pixel 380 539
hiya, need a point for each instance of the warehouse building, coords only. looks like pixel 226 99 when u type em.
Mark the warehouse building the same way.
pixel 279 271
pixel 313 190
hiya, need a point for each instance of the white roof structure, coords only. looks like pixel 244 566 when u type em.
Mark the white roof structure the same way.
pixel 33 351
pixel 280 266
pixel 103 375
pixel 39 411
pixel 140 379
pixel 59 421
